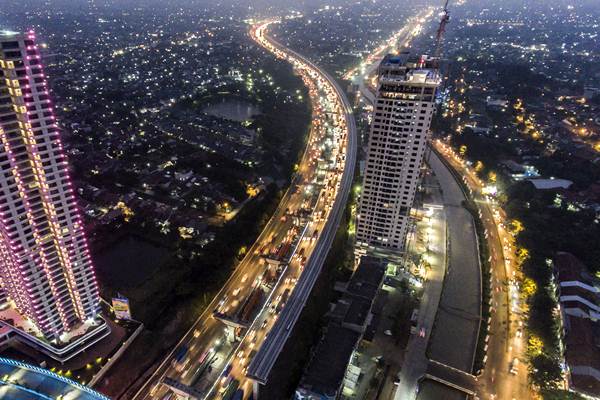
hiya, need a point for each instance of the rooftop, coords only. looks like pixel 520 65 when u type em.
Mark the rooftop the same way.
pixel 328 365
pixel 367 278
pixel 19 381
pixel 545 184
pixel 408 67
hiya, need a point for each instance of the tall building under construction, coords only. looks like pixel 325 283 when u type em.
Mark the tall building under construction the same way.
pixel 400 129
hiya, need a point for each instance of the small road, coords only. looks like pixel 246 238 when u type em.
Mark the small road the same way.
pixel 506 341
pixel 415 361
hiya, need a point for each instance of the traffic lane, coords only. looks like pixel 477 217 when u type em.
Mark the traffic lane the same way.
pixel 290 272
pixel 219 331
pixel 170 370
pixel 352 156
pixel 255 336
pixel 296 301
pixel 243 266
pixel 501 346
pixel 279 213
pixel 500 350
pixel 201 346
pixel 206 339
pixel 252 341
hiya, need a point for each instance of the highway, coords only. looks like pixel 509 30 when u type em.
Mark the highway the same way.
pixel 272 346
pixel 213 356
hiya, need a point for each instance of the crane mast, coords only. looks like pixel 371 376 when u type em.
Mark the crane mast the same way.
pixel 441 30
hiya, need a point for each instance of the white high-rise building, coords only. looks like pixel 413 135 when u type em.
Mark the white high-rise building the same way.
pixel 400 129
pixel 46 271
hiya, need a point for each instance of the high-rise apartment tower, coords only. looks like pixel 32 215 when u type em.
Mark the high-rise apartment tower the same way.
pixel 404 105
pixel 45 266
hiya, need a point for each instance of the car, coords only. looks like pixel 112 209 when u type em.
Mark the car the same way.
pixel 387 332
pixel 222 301
pixel 155 388
pixel 264 324
pixel 514 366
pixel 422 332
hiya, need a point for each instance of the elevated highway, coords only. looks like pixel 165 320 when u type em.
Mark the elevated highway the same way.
pixel 264 360
pixel 215 354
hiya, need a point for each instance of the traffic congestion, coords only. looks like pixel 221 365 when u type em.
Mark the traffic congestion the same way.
pixel 212 359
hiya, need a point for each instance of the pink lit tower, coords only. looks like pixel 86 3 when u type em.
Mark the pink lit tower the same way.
pixel 45 267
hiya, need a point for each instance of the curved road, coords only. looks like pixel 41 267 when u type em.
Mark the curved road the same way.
pixel 207 347
pixel 262 364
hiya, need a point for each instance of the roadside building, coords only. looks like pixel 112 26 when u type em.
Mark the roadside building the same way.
pixel 579 299
pixel 404 106
pixel 49 288
pixel 330 370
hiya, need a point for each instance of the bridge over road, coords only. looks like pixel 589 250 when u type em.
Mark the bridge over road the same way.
pixel 452 377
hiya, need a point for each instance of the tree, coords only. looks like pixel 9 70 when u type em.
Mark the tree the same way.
pixel 559 394
pixel 529 287
pixel 545 372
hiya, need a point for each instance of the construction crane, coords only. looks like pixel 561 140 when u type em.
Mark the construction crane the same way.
pixel 441 30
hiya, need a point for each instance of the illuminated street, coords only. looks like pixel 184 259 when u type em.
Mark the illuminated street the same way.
pixel 213 357
pixel 506 339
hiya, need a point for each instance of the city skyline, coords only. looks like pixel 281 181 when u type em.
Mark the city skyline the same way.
pixel 378 200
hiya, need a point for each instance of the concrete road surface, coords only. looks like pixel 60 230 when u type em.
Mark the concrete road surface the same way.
pixel 457 323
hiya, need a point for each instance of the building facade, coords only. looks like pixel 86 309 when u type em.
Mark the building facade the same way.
pixel 46 271
pixel 400 128
pixel 578 293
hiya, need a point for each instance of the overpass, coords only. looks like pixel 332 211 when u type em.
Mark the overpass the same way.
pixel 452 377
pixel 261 365
pixel 182 390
